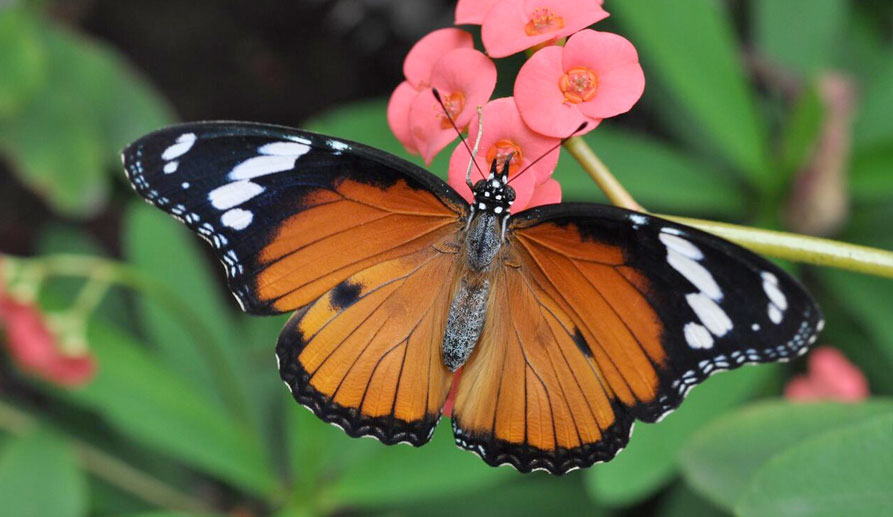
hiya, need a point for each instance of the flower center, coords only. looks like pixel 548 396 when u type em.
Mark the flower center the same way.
pixel 542 20
pixel 453 103
pixel 579 84
pixel 500 151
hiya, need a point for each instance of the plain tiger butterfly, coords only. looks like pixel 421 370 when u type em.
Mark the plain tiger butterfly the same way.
pixel 569 321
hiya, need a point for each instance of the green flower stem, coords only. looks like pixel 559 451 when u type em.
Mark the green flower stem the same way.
pixel 110 469
pixel 783 245
pixel 115 272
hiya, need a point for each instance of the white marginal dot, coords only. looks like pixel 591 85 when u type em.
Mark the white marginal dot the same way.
pixel 338 146
pixel 774 314
pixel 640 219
pixel 674 242
pixel 697 336
pixel 233 194
pixel 184 143
pixel 171 167
pixel 694 272
pixel 710 314
pixel 236 218
pixel 285 149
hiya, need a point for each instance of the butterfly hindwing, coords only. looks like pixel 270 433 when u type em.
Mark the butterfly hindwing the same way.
pixel 289 213
pixel 652 307
pixel 352 238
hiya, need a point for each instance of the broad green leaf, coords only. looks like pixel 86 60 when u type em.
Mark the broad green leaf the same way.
pixel 658 176
pixel 63 142
pixel 871 175
pixel 649 461
pixel 845 471
pixel 807 45
pixel 156 407
pixel 870 301
pixel 873 127
pixel 402 474
pixel 681 501
pixel 39 476
pixel 23 67
pixel 800 134
pixel 689 47
pixel 722 458
pixel 166 251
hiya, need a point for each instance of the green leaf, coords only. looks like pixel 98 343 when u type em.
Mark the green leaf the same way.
pixel 64 141
pixel 871 180
pixel 681 501
pixel 154 406
pixel 722 458
pixel 401 474
pixel 39 476
pixel 801 132
pixel 870 301
pixel 167 252
pixel 23 67
pixel 689 47
pixel 873 127
pixel 846 471
pixel 806 46
pixel 650 459
pixel 657 175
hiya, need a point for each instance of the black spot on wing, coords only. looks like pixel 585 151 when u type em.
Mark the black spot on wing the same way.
pixel 581 343
pixel 344 294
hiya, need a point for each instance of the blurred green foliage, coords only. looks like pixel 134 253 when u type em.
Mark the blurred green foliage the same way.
pixel 187 390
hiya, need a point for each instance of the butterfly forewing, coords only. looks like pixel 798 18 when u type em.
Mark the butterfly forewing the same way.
pixel 353 237
pixel 651 307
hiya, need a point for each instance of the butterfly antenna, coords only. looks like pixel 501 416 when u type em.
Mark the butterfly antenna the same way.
pixel 556 146
pixel 464 142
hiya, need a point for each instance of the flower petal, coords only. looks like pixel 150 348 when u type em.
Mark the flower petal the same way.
pixel 505 28
pixel 469 72
pixel 430 133
pixel 615 62
pixel 540 100
pixel 424 54
pixel 398 114
pixel 546 193
pixel 473 12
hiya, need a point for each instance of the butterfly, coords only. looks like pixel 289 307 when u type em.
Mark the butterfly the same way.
pixel 568 321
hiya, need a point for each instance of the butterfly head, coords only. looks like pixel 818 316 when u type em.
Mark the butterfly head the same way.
pixel 494 194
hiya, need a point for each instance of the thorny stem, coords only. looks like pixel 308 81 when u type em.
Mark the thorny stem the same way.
pixel 109 468
pixel 783 245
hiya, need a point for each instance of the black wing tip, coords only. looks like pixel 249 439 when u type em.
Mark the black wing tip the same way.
pixel 388 430
pixel 560 461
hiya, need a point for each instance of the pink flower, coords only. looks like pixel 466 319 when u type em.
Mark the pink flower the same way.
pixel 596 75
pixel 473 12
pixel 505 133
pixel 465 78
pixel 36 349
pixel 830 376
pixel 511 26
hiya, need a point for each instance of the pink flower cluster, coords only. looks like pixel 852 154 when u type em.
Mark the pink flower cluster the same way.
pixel 35 347
pixel 829 376
pixel 593 76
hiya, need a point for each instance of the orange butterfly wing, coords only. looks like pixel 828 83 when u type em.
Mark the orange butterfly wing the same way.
pixel 598 317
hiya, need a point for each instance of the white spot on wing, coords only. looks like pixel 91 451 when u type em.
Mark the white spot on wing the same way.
pixel 639 219
pixel 774 314
pixel 697 336
pixel 285 149
pixel 233 194
pixel 338 146
pixel 236 218
pixel 774 293
pixel 262 166
pixel 676 243
pixel 694 272
pixel 710 314
pixel 171 167
pixel 183 144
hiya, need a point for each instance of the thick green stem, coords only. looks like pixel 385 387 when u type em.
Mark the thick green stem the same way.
pixel 790 246
pixel 110 469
